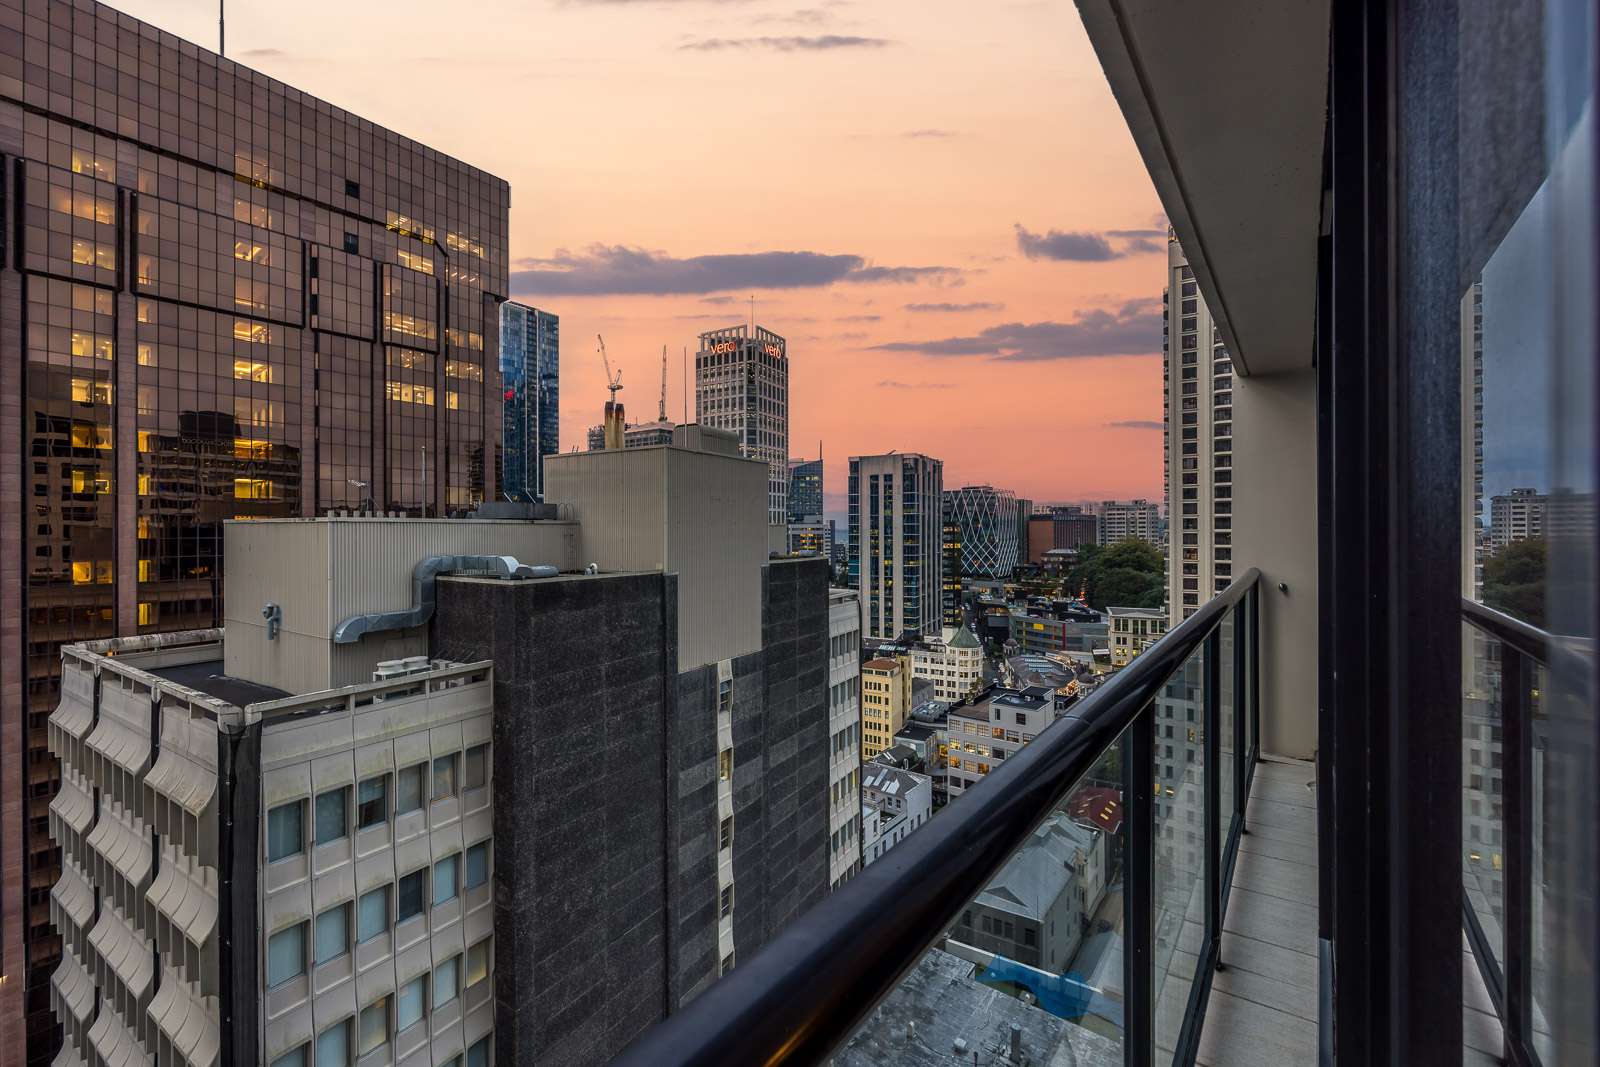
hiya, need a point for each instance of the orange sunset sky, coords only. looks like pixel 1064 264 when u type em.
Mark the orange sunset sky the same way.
pixel 936 202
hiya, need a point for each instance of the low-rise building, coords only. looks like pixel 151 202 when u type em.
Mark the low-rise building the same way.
pixel 885 702
pixel 991 727
pixel 1038 908
pixel 953 662
pixel 894 802
pixel 1133 630
pixel 1039 634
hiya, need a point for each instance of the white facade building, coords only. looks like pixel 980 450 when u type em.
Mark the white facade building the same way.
pixel 1198 404
pixel 953 662
pixel 741 383
pixel 1119 520
pixel 893 804
pixel 844 736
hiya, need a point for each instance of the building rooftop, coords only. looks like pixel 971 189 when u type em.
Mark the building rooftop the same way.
pixel 207 677
pixel 941 1002
pixel 1038 873
pixel 881 665
pixel 917 731
pixel 890 781
pixel 1136 613
pixel 964 638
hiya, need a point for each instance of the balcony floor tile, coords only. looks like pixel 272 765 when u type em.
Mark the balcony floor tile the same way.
pixel 1263 1007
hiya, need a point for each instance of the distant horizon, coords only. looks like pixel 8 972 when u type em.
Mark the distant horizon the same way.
pixel 955 233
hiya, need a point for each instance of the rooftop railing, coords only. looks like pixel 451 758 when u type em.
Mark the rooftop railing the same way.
pixel 1140 791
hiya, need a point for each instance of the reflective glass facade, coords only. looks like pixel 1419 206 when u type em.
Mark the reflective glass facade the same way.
pixel 219 298
pixel 805 488
pixel 530 367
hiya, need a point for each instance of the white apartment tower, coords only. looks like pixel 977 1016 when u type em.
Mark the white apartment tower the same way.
pixel 741 383
pixel 896 517
pixel 1198 409
pixel 1122 519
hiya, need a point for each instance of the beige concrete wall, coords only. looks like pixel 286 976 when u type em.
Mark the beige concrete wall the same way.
pixel 322 571
pixel 717 543
pixel 1275 529
pixel 700 515
pixel 285 563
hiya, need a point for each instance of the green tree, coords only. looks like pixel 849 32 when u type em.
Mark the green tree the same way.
pixel 1514 580
pixel 1127 574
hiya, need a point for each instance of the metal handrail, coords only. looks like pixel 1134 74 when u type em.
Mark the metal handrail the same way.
pixel 1529 640
pixel 804 994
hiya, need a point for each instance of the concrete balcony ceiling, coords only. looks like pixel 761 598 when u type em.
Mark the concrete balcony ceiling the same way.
pixel 1227 102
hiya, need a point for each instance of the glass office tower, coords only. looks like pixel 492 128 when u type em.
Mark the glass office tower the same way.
pixel 530 367
pixel 219 298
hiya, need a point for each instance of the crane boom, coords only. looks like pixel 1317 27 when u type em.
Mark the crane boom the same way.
pixel 613 382
pixel 663 413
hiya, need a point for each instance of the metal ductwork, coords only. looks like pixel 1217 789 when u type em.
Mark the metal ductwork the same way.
pixel 356 627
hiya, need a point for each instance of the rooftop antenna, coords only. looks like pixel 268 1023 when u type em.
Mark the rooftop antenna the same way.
pixel 663 414
pixel 752 315
pixel 222 49
pixel 686 384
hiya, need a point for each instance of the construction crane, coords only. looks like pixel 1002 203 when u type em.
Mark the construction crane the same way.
pixel 663 415
pixel 613 382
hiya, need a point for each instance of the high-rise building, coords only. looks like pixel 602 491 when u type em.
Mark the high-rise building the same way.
pixel 1198 403
pixel 741 383
pixel 844 736
pixel 991 533
pixel 895 546
pixel 805 488
pixel 1120 520
pixel 1516 516
pixel 339 819
pixel 530 370
pixel 950 571
pixel 219 297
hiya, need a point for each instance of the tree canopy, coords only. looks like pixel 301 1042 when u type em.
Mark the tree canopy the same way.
pixel 1127 574
pixel 1514 579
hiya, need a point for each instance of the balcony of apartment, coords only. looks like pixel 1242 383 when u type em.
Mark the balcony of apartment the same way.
pixel 1344 812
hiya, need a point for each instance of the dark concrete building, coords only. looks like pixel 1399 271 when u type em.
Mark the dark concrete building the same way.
pixel 219 297
pixel 607 922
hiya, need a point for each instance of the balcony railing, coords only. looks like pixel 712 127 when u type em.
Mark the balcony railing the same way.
pixel 1160 743
pixel 1507 732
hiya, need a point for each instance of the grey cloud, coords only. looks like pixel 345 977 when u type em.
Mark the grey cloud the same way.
pixel 859 318
pixel 1137 424
pixel 618 269
pixel 262 53
pixel 929 134
pixel 979 305
pixel 1084 247
pixel 1131 330
pixel 890 383
pixel 821 43
pixel 719 299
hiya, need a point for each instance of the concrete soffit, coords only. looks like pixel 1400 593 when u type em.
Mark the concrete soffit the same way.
pixel 1227 103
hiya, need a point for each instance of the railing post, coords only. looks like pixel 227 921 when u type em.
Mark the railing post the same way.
pixel 1516 815
pixel 1138 899
pixel 1244 703
pixel 1211 714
